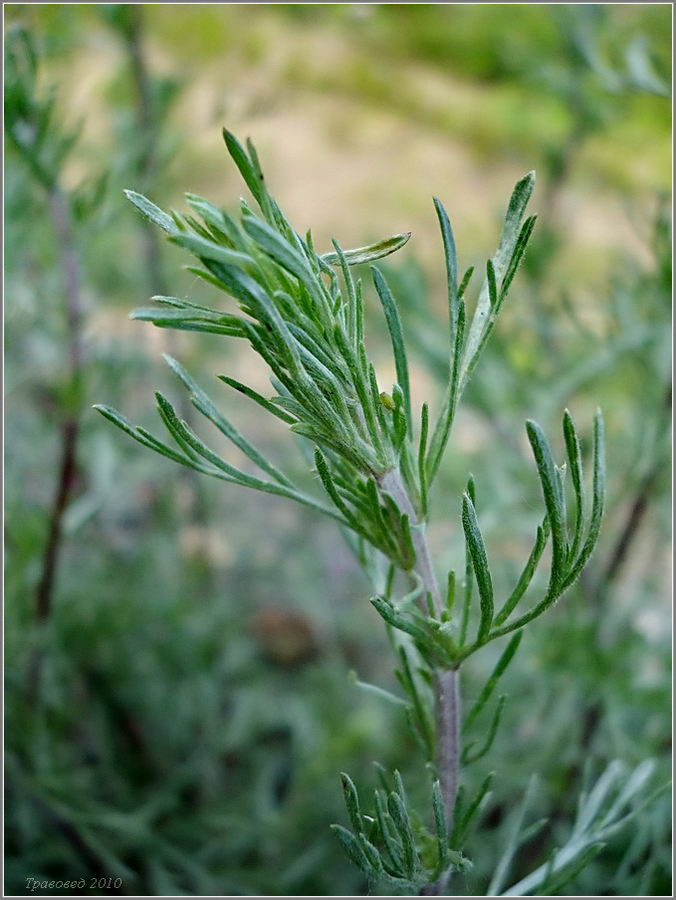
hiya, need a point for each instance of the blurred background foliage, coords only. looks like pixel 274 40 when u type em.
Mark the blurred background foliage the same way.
pixel 178 716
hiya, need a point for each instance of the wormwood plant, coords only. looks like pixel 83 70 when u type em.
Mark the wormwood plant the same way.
pixel 43 144
pixel 303 313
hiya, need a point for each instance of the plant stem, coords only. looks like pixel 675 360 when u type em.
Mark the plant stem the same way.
pixel 64 486
pixel 63 227
pixel 391 482
pixel 447 696
pixel 637 510
pixel 446 681
pixel 60 214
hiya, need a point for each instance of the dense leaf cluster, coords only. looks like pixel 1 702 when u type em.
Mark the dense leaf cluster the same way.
pixel 375 466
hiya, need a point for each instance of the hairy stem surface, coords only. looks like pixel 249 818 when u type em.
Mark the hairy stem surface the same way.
pixel 391 483
pixel 447 694
pixel 446 682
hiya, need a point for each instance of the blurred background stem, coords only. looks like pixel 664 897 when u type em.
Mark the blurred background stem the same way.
pixel 639 505
pixel 147 137
pixel 70 270
pixel 131 22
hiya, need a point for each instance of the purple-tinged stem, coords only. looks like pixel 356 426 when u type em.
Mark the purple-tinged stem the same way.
pixel 446 681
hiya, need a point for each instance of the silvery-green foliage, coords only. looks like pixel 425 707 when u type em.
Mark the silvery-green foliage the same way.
pixel 614 800
pixel 31 120
pixel 302 312
pixel 310 331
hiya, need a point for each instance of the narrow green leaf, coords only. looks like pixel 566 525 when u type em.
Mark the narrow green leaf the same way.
pixel 205 248
pixel 598 796
pixel 399 429
pixel 399 787
pixel 558 879
pixel 464 819
pixel 141 436
pixel 442 429
pixel 575 461
pixel 192 461
pixel 533 830
pixel 399 814
pixel 217 219
pixel 187 305
pixel 196 320
pixel 190 324
pixel 393 846
pixel 414 728
pixel 235 281
pixel 563 861
pixel 280 250
pixel 377 398
pixel 352 802
pixel 526 575
pixel 377 691
pixel 634 786
pixel 257 398
pixel 422 449
pixel 197 228
pixel 288 258
pixel 243 163
pixel 410 556
pixel 480 565
pixel 176 430
pixel 492 287
pixel 464 281
pixel 508 240
pixel 351 847
pixel 230 473
pixel 152 212
pixel 381 774
pixel 420 705
pixel 361 387
pixel 204 404
pixel 372 252
pixel 561 472
pixel 489 687
pixel 371 852
pixel 351 293
pixel 553 500
pixel 117 419
pixel 469 758
pixel 450 596
pixel 325 475
pixel 270 210
pixel 560 579
pixel 451 266
pixel 359 327
pixel 178 220
pixel 505 861
pixel 598 499
pixel 467 591
pixel 397 620
pixel 517 256
pixel 397 338
pixel 471 489
pixel 207 276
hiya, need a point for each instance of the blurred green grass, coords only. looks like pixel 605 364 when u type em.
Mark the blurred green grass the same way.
pixel 179 741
